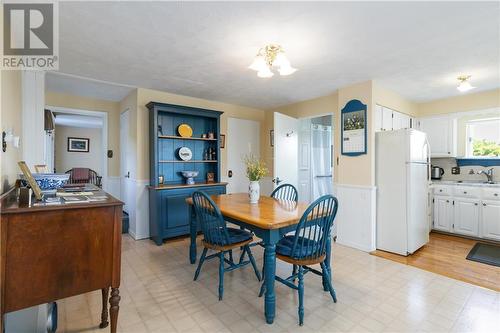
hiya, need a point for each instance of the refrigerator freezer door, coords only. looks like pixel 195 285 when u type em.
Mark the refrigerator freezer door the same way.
pixel 417 212
pixel 418 147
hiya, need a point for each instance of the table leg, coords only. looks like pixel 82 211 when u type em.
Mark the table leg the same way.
pixel 193 232
pixel 114 301
pixel 327 263
pixel 104 314
pixel 270 271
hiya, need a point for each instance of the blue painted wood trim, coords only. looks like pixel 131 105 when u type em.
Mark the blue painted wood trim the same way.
pixel 182 109
pixel 486 162
pixel 352 106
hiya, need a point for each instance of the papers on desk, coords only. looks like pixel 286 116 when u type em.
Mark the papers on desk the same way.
pixel 75 199
pixel 68 200
pixel 73 194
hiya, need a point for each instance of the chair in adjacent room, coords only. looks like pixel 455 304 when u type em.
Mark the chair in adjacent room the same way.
pixel 84 176
pixel 307 247
pixel 221 239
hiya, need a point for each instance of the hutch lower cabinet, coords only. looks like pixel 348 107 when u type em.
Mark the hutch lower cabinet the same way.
pixel 169 212
pixel 181 139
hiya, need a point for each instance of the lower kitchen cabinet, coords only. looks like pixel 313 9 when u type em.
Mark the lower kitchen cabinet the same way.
pixel 490 219
pixel 443 213
pixel 466 217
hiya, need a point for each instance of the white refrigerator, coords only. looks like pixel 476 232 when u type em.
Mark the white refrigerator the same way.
pixel 402 171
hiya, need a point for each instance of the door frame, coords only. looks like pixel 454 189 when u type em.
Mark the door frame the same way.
pixel 104 130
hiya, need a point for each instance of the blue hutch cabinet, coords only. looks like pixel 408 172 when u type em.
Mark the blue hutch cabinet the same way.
pixel 168 211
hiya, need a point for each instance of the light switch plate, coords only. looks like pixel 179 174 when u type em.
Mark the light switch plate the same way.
pixel 455 170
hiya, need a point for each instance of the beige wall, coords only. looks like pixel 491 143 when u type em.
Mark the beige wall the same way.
pixel 10 118
pixel 145 96
pixel 91 104
pixel 392 100
pixel 470 102
pixel 66 160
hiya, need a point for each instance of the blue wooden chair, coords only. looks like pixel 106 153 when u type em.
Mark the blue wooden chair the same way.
pixel 220 238
pixel 286 192
pixel 308 247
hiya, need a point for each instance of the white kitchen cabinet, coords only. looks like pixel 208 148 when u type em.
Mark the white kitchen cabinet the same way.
pixel 443 213
pixel 400 120
pixel 490 219
pixel 442 135
pixel 386 119
pixel 378 118
pixel 466 217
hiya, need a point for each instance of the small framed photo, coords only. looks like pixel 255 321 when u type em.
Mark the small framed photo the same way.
pixel 271 137
pixel 222 140
pixel 78 145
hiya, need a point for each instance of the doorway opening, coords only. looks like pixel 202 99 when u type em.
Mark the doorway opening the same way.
pixel 315 169
pixel 79 140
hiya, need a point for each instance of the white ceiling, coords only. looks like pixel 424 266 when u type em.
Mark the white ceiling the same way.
pixel 203 49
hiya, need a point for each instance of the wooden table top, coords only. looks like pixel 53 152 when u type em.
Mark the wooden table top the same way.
pixel 268 213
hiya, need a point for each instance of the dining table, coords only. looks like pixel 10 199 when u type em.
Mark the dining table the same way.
pixel 269 219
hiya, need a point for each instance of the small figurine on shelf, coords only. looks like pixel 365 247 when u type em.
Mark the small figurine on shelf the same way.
pixel 211 135
pixel 210 177
pixel 205 154
pixel 160 179
pixel 213 157
pixel 204 136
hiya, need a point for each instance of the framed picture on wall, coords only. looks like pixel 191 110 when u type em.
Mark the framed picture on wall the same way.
pixel 354 129
pixel 78 145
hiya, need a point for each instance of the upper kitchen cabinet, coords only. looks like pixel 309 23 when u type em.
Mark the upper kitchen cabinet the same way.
pixel 442 135
pixel 388 120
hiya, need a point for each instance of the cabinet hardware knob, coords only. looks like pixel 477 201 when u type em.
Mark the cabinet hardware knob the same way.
pixel 484 204
pixel 495 194
pixel 465 192
pixel 440 190
pixel 447 200
pixel 449 153
pixel 475 203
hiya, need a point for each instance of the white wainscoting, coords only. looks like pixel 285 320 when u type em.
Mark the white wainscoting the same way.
pixel 112 186
pixel 137 207
pixel 356 217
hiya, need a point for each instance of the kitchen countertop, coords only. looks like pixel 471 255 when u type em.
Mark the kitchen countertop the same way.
pixel 477 183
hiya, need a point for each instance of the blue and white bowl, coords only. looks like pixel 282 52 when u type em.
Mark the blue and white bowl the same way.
pixel 49 181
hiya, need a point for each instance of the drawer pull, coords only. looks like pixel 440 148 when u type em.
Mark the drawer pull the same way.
pixel 440 190
pixel 465 192
pixel 475 204
pixel 484 204
pixel 495 194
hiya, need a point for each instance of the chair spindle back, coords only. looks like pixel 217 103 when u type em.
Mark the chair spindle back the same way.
pixel 210 218
pixel 286 192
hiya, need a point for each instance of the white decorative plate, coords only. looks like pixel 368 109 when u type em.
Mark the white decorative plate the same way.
pixel 185 154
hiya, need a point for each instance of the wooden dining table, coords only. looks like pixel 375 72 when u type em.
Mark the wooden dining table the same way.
pixel 269 219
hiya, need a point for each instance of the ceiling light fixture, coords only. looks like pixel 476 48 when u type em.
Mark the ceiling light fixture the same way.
pixel 269 57
pixel 464 84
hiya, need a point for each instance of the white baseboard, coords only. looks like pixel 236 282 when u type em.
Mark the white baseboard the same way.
pixel 356 217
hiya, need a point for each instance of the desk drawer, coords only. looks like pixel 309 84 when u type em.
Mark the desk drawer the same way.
pixel 442 190
pixel 467 192
pixel 491 193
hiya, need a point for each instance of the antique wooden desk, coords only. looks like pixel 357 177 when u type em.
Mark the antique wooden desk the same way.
pixel 270 219
pixel 53 252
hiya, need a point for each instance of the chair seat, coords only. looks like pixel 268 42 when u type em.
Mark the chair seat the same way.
pixel 285 245
pixel 237 236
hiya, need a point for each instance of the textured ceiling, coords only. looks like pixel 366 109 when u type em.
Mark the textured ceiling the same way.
pixel 203 49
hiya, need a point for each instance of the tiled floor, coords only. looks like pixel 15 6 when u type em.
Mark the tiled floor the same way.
pixel 159 295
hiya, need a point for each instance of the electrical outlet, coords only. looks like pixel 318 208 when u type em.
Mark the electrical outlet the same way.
pixel 455 170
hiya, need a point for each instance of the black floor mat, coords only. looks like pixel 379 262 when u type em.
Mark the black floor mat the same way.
pixel 485 253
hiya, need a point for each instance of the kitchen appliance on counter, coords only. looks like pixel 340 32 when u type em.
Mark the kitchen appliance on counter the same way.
pixel 436 172
pixel 402 179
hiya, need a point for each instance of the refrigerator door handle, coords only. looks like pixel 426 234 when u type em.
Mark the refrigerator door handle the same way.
pixel 428 147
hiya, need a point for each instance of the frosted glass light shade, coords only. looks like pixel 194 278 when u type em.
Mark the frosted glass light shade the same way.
pixel 265 73
pixel 465 86
pixel 287 70
pixel 258 64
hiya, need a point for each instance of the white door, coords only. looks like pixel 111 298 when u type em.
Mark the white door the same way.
pixel 490 218
pixel 386 119
pixel 442 213
pixel 466 218
pixel 285 150
pixel 243 138
pixel 125 162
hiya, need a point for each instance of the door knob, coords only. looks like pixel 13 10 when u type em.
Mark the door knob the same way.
pixel 277 180
pixel 230 173
pixel 127 175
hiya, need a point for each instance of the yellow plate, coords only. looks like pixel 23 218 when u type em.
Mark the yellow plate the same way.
pixel 185 130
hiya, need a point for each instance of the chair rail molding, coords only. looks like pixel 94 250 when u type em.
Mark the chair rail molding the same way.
pixel 356 218
pixel 33 104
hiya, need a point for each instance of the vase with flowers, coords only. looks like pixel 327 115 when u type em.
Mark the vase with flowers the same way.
pixel 256 170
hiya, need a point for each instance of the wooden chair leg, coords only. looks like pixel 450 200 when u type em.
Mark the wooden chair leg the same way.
pixel 221 275
pixel 326 273
pixel 252 261
pixel 202 259
pixel 301 295
pixel 104 314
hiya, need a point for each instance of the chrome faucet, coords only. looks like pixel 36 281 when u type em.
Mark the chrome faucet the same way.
pixel 488 174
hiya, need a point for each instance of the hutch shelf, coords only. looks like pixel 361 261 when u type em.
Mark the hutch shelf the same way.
pixel 168 211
